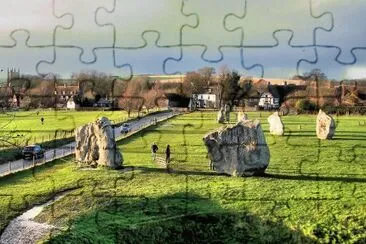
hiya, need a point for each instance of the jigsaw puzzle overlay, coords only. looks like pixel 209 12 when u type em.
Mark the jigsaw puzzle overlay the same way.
pixel 313 190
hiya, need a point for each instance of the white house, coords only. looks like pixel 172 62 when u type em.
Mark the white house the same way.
pixel 268 100
pixel 205 100
pixel 70 104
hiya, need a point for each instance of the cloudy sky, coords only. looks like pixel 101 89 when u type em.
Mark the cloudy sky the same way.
pixel 269 38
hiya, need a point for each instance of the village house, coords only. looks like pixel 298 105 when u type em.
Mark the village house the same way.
pixel 206 100
pixel 64 93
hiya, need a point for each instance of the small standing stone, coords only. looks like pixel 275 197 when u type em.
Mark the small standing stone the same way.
pixel 227 113
pixel 275 124
pixel 220 116
pixel 325 126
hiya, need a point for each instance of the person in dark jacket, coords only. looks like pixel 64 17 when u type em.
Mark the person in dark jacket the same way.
pixel 167 154
pixel 154 149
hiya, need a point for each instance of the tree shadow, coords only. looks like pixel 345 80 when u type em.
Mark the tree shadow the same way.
pixel 182 217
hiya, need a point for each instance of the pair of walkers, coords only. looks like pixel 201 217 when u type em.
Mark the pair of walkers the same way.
pixel 154 150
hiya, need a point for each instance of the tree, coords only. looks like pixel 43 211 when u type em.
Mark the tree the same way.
pixel 132 98
pixel 93 83
pixel 314 74
pixel 154 97
pixel 228 86
pixel 206 74
pixel 193 83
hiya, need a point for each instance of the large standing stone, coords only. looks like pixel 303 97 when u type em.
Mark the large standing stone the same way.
pixel 240 150
pixel 221 116
pixel 96 145
pixel 275 124
pixel 325 126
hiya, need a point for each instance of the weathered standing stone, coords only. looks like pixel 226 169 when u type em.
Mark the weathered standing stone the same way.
pixel 240 150
pixel 227 113
pixel 221 116
pixel 95 145
pixel 242 116
pixel 325 126
pixel 275 124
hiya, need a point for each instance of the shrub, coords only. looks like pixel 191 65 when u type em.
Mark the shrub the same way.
pixel 305 105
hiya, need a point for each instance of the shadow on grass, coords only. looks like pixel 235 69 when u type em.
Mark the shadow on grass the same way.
pixel 177 218
pixel 310 177
pixel 315 178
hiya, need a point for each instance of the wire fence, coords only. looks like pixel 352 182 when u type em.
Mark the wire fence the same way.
pixel 69 149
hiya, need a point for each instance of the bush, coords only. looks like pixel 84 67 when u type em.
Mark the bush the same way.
pixel 344 110
pixel 305 105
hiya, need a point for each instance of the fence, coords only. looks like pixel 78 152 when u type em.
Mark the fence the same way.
pixel 68 149
pixel 22 164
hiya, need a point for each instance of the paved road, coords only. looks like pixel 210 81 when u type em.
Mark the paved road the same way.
pixel 68 149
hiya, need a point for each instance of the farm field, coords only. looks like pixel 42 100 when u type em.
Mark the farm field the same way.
pixel 313 191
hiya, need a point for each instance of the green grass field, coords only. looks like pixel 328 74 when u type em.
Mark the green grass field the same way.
pixel 18 129
pixel 314 191
pixel 28 124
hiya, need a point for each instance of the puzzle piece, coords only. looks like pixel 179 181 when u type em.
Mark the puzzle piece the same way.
pixel 326 61
pixel 265 57
pixel 210 33
pixel 23 55
pixel 66 61
pixel 341 35
pixel 261 18
pixel 148 58
pixel 189 59
pixel 84 19
pixel 164 17
pixel 35 16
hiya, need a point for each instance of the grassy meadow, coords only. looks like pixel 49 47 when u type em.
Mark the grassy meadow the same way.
pixel 313 191
pixel 27 125
pixel 18 129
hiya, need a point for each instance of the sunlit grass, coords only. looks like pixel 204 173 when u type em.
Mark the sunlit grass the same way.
pixel 314 190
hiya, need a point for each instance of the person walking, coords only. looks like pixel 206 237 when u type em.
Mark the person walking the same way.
pixel 42 120
pixel 167 155
pixel 154 149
